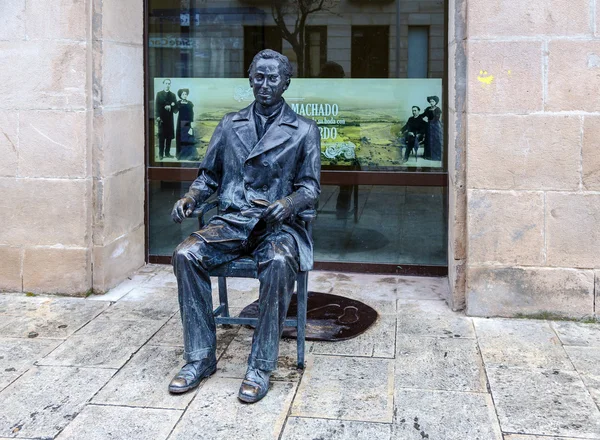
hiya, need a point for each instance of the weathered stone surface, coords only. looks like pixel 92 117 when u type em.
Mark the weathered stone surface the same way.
pixel 520 343
pixel 52 199
pixel 119 139
pixel 62 19
pixel 11 262
pixel 46 317
pixel 121 211
pixel 299 428
pixel 421 414
pixel 591 153
pixel 543 402
pixel 122 75
pixel 122 21
pixel 18 355
pixel 438 364
pixel 101 422
pixel 505 77
pixel 378 341
pixel 529 292
pixel 115 261
pixel 576 333
pixel 9 142
pixel 157 309
pixel 123 288
pixel 55 80
pixel 57 270
pixel 535 437
pixel 13 29
pixel 587 362
pixel 52 144
pixel 144 380
pixel 104 343
pixel 506 227
pixel 534 18
pixel 359 389
pixel 216 412
pixel 535 152
pixel 573 75
pixel 570 246
pixel 431 308
pixel 441 326
pixel 44 400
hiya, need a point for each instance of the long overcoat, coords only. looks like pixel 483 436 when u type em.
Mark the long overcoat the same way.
pixel 166 127
pixel 286 161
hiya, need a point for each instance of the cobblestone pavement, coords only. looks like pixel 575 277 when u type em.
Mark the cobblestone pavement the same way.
pixel 98 368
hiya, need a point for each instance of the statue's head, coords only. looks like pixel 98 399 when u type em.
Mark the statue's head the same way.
pixel 270 74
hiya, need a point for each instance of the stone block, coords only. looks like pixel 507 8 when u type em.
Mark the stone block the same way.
pixel 56 80
pixel 573 79
pixel 362 389
pixel 103 422
pixel 47 224
pixel 427 414
pixel 578 333
pixel 122 77
pixel 52 144
pixel 572 232
pixel 587 362
pixel 18 355
pixel 591 153
pixel 121 208
pixel 117 260
pixel 60 19
pixel 119 140
pixel 9 142
pixel 122 21
pixel 520 343
pixel 534 18
pixel 44 400
pixel 505 77
pixel 536 152
pixel 543 402
pixel 506 227
pixel 298 428
pixel 65 271
pixel 496 291
pixel 13 29
pixel 11 262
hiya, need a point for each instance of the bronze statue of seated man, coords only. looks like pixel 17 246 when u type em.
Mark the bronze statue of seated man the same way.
pixel 263 152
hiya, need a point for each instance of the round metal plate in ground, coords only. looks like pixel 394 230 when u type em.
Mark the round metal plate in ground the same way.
pixel 329 317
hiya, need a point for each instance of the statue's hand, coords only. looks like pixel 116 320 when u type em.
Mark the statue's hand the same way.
pixel 183 208
pixel 278 211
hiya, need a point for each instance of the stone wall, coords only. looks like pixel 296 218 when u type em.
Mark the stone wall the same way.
pixel 71 125
pixel 532 162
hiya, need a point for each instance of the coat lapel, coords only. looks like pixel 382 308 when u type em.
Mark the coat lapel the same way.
pixel 278 133
pixel 244 127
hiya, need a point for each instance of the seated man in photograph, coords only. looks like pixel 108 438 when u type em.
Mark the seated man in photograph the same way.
pixel 414 132
pixel 262 156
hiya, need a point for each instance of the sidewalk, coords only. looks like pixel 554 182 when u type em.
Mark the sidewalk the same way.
pixel 98 369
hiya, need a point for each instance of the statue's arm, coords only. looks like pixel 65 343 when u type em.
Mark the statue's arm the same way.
pixel 307 185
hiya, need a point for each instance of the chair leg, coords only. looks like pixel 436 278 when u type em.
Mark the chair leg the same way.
pixel 223 297
pixel 302 297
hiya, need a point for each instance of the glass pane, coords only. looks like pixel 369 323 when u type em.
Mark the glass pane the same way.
pixel 351 58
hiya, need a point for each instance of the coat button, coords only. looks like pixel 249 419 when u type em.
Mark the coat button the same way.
pixel 265 187
pixel 247 186
pixel 265 164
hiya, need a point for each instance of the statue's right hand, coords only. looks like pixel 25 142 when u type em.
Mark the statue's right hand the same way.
pixel 183 208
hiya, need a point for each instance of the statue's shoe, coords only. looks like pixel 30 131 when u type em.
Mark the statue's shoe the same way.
pixel 254 386
pixel 191 374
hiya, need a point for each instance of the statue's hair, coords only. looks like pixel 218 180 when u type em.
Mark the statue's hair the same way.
pixel 268 54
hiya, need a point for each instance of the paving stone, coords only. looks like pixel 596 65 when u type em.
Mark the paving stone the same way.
pixel 216 412
pixel 439 326
pixel 377 341
pixel 336 387
pixel 18 355
pixel 299 428
pixel 118 292
pixel 234 361
pixel 578 333
pixel 104 422
pixel 106 343
pixel 425 308
pixel 520 343
pixel 538 437
pixel 48 317
pixel 45 399
pixel 437 415
pixel 587 362
pixel 543 402
pixel 439 364
pixel 153 309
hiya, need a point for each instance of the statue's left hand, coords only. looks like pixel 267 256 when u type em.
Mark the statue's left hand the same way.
pixel 278 211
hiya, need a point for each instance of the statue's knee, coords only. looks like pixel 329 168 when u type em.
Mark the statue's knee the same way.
pixel 183 253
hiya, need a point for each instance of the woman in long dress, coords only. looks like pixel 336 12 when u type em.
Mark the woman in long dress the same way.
pixel 184 135
pixel 435 130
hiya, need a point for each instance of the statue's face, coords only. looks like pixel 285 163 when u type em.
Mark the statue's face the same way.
pixel 267 82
